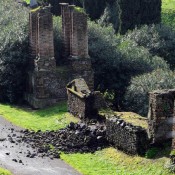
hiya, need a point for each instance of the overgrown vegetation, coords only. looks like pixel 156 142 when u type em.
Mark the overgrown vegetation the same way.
pixel 137 95
pixel 13 50
pixel 116 59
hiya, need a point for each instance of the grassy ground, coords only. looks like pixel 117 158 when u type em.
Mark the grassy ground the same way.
pixel 168 12
pixel 52 118
pixel 113 162
pixel 4 172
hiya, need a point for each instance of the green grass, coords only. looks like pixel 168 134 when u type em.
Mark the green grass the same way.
pixel 113 162
pixel 168 12
pixel 168 4
pixel 129 117
pixel 4 172
pixel 51 118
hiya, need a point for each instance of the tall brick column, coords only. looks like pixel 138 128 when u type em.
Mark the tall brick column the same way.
pixel 79 42
pixel 75 43
pixel 33 34
pixel 42 61
pixel 45 52
pixel 161 111
pixel 66 28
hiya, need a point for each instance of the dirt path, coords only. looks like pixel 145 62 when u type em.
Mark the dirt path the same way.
pixel 13 156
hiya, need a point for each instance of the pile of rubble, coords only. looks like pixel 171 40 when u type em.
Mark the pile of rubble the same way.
pixel 78 137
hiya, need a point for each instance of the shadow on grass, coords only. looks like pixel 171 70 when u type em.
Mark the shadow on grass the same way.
pixel 59 108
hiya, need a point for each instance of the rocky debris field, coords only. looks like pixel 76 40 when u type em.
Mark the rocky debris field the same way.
pixel 78 137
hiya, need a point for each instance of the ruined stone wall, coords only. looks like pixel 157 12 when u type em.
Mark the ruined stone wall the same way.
pixel 82 102
pixel 81 107
pixel 161 110
pixel 47 88
pixel 131 139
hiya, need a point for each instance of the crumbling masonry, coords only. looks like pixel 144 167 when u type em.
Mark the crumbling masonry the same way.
pixel 46 83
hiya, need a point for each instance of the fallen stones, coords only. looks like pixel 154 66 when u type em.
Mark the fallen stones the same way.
pixel 74 138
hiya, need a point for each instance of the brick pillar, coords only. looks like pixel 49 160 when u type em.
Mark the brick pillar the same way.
pixel 160 115
pixel 42 58
pixel 45 56
pixel 79 38
pixel 66 29
pixel 33 33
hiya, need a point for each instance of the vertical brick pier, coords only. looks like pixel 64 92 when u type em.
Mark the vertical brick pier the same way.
pixel 75 42
pixel 42 61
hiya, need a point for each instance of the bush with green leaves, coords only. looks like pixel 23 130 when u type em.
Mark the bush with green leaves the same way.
pixel 116 60
pixel 158 39
pixel 13 50
pixel 137 95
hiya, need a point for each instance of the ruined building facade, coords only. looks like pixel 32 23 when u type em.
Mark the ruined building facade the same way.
pixel 46 82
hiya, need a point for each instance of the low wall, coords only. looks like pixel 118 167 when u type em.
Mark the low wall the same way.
pixel 131 139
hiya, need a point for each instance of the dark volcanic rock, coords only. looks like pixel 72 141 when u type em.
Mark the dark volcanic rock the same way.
pixel 79 137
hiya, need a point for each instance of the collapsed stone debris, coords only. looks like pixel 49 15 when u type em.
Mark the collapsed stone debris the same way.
pixel 76 137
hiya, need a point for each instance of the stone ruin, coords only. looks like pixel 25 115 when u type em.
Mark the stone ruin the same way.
pixel 86 105
pixel 124 135
pixel 46 82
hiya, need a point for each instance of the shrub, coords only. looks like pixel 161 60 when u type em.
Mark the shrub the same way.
pixel 137 95
pixel 13 50
pixel 102 50
pixel 116 60
pixel 158 39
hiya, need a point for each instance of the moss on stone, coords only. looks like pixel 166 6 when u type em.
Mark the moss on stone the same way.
pixel 129 117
